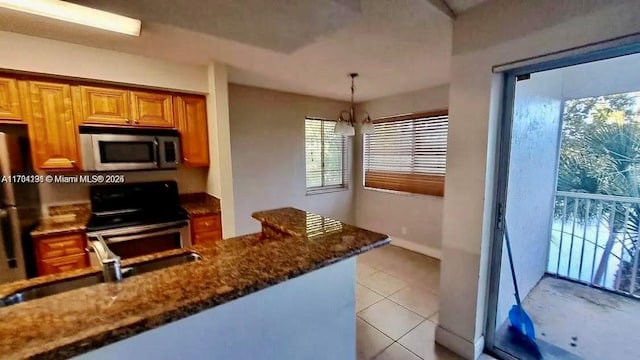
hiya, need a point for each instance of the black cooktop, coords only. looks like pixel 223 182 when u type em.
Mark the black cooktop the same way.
pixel 134 204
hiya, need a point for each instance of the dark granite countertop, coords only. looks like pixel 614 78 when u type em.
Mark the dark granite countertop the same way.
pixel 50 227
pixel 74 322
pixel 198 204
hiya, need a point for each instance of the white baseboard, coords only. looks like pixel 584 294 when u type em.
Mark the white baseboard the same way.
pixel 421 249
pixel 479 347
pixel 458 345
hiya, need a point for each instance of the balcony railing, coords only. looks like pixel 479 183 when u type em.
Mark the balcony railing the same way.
pixel 594 240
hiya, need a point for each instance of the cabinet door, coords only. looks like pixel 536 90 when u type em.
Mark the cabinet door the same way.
pixel 151 109
pixel 9 100
pixel 191 118
pixel 103 105
pixel 62 264
pixel 50 247
pixel 206 229
pixel 52 130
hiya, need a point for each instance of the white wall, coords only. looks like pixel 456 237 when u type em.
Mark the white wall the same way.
pixel 493 33
pixel 535 141
pixel 267 147
pixel 413 221
pixel 220 177
pixel 310 317
pixel 34 54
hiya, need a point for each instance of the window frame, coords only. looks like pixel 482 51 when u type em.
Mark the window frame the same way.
pixel 436 182
pixel 345 163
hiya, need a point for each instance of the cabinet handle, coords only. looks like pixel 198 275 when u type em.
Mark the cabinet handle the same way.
pixel 127 121
pixel 135 121
pixel 72 162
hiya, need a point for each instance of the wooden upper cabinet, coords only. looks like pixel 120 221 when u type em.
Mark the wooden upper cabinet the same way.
pixel 152 109
pixel 9 100
pixel 191 118
pixel 103 105
pixel 52 130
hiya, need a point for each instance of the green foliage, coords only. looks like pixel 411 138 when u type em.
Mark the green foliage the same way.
pixel 600 154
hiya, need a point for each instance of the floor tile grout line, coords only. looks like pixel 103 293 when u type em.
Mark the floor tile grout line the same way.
pixel 397 303
pixel 383 295
pixel 371 289
pixel 402 306
pixel 413 328
pixel 387 335
pixel 409 350
pixel 381 351
pixel 382 332
pixel 409 284
pixel 366 307
pixel 422 316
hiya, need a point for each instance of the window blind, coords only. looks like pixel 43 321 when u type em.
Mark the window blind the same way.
pixel 408 153
pixel 325 155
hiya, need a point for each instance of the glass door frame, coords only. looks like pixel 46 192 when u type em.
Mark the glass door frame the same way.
pixel 510 72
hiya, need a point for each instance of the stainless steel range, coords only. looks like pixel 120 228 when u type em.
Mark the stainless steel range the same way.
pixel 138 218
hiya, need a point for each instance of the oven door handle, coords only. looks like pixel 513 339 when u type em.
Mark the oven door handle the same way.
pixel 140 229
pixel 144 232
pixel 156 152
pixel 117 239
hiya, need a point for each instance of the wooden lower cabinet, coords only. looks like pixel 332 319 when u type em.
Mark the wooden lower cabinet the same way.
pixel 62 264
pixel 206 229
pixel 61 252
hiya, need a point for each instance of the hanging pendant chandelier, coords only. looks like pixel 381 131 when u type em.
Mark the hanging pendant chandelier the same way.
pixel 345 124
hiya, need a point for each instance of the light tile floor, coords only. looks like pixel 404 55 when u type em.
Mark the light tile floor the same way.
pixel 397 306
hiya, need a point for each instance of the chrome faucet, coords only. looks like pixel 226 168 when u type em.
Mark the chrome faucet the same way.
pixel 111 269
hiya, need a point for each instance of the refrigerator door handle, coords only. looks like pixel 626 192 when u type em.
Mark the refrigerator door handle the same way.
pixel 7 242
pixel 7 195
pixel 12 243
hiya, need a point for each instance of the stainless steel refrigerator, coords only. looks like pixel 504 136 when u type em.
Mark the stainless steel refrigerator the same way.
pixel 19 206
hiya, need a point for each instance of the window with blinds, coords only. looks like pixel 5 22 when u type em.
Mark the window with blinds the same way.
pixel 408 153
pixel 326 156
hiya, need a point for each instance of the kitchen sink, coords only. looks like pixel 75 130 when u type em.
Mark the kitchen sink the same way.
pixel 52 288
pixel 161 263
pixel 57 287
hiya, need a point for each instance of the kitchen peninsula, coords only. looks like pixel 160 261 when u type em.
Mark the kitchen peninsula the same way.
pixel 285 293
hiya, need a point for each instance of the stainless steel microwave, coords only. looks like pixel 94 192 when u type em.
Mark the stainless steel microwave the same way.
pixel 116 149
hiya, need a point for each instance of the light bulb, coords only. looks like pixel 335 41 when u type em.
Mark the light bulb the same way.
pixel 367 128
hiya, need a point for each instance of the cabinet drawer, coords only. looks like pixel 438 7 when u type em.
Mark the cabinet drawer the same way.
pixel 206 224
pixel 205 237
pixel 67 263
pixel 60 246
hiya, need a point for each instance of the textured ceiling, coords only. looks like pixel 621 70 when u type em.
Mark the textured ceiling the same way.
pixel 459 6
pixel 305 47
pixel 281 26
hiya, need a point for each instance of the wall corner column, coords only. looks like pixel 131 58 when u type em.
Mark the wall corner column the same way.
pixel 220 176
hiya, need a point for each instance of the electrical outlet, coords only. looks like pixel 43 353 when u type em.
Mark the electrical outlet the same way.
pixel 403 230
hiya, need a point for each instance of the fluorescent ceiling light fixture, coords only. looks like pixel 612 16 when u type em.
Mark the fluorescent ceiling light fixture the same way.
pixel 78 14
